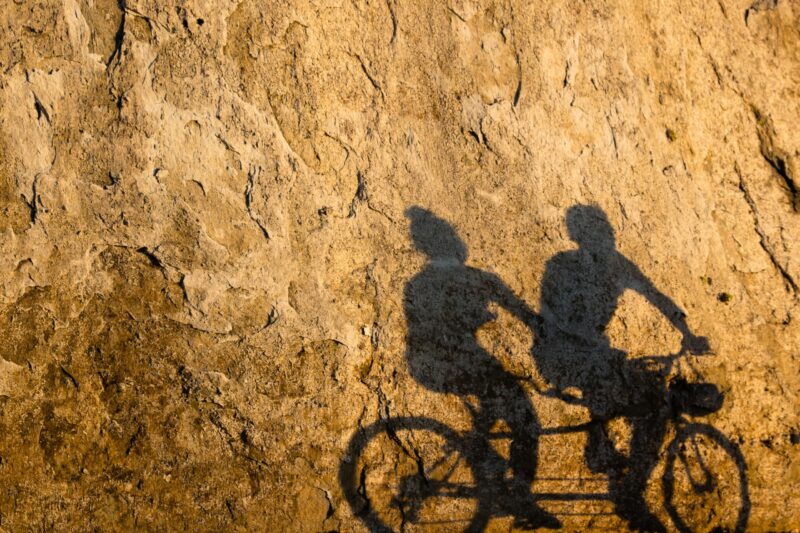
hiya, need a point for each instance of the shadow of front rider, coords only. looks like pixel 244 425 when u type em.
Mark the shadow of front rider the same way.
pixel 580 291
pixel 445 303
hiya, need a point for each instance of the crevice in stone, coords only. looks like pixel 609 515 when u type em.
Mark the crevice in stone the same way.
pixel 765 244
pixel 394 21
pixel 248 200
pixel 41 110
pixel 362 491
pixel 119 37
pixel 133 440
pixel 33 203
pixel 360 195
pixel 457 14
pixel 759 5
pixel 779 164
pixel 518 90
pixel 70 377
pixel 370 77
pixel 776 157
pixel 613 136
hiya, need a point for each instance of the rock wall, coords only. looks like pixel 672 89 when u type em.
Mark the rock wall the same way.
pixel 208 255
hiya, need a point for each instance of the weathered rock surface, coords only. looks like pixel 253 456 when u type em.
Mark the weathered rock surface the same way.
pixel 205 242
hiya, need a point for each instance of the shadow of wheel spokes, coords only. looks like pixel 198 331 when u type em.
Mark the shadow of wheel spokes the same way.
pixel 411 474
pixel 705 482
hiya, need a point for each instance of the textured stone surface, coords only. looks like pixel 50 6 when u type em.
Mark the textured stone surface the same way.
pixel 205 245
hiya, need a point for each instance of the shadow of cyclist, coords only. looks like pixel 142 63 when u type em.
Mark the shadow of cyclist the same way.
pixel 579 294
pixel 445 303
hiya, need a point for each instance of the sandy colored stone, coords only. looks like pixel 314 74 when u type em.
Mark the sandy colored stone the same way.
pixel 205 241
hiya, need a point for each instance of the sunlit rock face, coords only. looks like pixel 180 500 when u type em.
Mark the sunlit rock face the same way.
pixel 381 265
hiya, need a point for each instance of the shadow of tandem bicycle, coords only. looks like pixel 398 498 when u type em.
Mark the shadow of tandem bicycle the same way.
pixel 703 482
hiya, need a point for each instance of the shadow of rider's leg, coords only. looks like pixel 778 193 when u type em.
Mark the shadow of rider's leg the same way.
pixel 628 488
pixel 515 408
pixel 525 431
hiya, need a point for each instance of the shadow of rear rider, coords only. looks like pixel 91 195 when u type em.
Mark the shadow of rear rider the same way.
pixel 445 303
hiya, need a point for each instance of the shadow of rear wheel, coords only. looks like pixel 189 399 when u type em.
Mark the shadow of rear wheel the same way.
pixel 411 474
pixel 705 481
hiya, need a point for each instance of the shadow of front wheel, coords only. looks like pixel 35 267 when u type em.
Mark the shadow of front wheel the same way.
pixel 705 481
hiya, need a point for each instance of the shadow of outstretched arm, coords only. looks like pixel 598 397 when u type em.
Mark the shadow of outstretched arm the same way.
pixel 666 306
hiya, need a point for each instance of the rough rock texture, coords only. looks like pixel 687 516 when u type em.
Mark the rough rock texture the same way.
pixel 206 244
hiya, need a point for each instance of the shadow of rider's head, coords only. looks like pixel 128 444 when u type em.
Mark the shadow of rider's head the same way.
pixel 589 227
pixel 434 237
